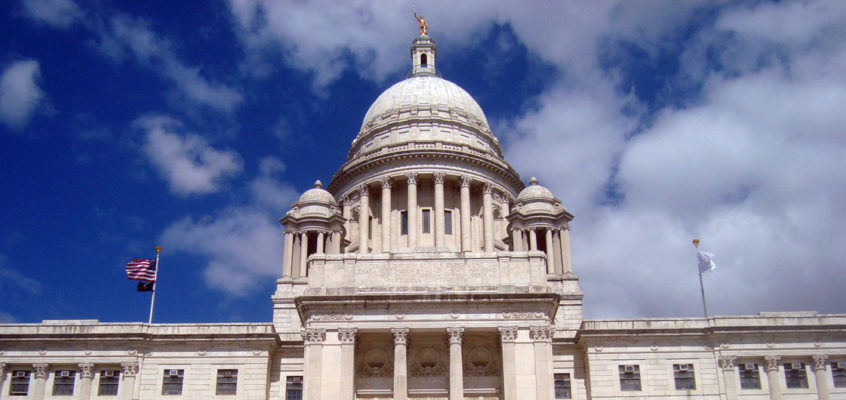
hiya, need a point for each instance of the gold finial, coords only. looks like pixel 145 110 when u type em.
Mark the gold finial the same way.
pixel 158 249
pixel 424 27
pixel 696 243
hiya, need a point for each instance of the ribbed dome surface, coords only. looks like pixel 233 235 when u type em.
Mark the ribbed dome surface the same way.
pixel 317 195
pixel 423 91
pixel 535 192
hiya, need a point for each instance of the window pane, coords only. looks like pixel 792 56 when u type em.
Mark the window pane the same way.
pixel 294 388
pixel 63 383
pixel 448 222
pixel 426 215
pixel 227 381
pixel 750 378
pixel 108 383
pixel 838 372
pixel 172 381
pixel 562 386
pixel 629 377
pixel 794 376
pixel 20 383
pixel 404 223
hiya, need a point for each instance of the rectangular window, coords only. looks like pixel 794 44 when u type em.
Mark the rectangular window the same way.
pixel 227 381
pixel 404 223
pixel 20 383
pixel 426 214
pixel 63 383
pixel 683 374
pixel 795 376
pixel 838 372
pixel 562 386
pixel 172 381
pixel 294 388
pixel 448 222
pixel 629 377
pixel 108 383
pixel 750 377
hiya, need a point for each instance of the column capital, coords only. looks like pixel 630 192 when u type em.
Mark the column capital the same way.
pixel 313 336
pixel 508 334
pixel 362 190
pixel 85 369
pixel 40 369
pixel 386 182
pixel 487 188
pixel 728 362
pixel 541 333
pixel 129 368
pixel 465 181
pixel 400 335
pixel 820 360
pixel 347 335
pixel 439 178
pixel 772 362
pixel 2 368
pixel 455 335
pixel 411 177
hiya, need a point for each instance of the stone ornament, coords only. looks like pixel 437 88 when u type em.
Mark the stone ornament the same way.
pixel 820 361
pixel 85 369
pixel 387 182
pixel 480 361
pixel 376 363
pixel 347 335
pixel 439 178
pixel 40 370
pixel 428 362
pixel 772 362
pixel 129 368
pixel 132 352
pixel 465 181
pixel 201 352
pixel 400 335
pixel 42 352
pixel 2 368
pixel 411 177
pixel 728 362
pixel 487 188
pixel 541 333
pixel 454 315
pixel 331 317
pixel 508 334
pixel 400 315
pixel 314 336
pixel 455 335
pixel 362 189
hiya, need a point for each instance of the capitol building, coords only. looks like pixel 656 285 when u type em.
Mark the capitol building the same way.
pixel 427 268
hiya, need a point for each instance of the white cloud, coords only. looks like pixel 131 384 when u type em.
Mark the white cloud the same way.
pixel 56 13
pixel 186 161
pixel 19 93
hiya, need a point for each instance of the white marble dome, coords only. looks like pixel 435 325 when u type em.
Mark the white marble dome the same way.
pixel 535 192
pixel 424 91
pixel 317 195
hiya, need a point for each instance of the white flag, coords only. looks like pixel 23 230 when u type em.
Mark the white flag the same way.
pixel 706 261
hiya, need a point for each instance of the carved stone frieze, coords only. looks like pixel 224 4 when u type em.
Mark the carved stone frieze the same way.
pixel 772 362
pixel 508 333
pixel 2 368
pixel 400 335
pixel 347 335
pixel 728 362
pixel 524 315
pixel 331 317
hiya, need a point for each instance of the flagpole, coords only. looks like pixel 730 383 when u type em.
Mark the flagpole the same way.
pixel 155 282
pixel 701 285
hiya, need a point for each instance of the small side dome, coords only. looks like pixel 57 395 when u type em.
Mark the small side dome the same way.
pixel 317 195
pixel 535 192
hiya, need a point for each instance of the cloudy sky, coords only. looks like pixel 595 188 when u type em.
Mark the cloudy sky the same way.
pixel 194 125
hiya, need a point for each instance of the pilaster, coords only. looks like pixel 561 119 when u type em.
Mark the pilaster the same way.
pixel 347 338
pixel 772 376
pixel 456 371
pixel 40 380
pixel 400 363
pixel 411 177
pixel 487 209
pixel 439 209
pixel 542 337
pixel 820 363
pixel 126 389
pixel 386 214
pixel 85 380
pixel 728 365
pixel 466 238
pixel 508 334
pixel 313 340
pixel 363 219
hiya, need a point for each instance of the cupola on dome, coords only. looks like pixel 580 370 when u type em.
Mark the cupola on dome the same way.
pixel 535 192
pixel 317 195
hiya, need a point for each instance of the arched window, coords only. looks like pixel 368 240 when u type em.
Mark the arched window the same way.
pixel 423 60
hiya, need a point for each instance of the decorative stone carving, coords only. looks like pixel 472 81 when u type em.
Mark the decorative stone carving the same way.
pixel 40 370
pixel 465 180
pixel 454 315
pixel 129 368
pixel 411 177
pixel 331 317
pixel 455 335
pixel 480 361
pixel 487 188
pixel 85 369
pixel 772 362
pixel 728 362
pixel 42 352
pixel 541 333
pixel 507 333
pixel 2 368
pixel 428 362
pixel 524 315
pixel 362 190
pixel 132 352
pixel 400 335
pixel 201 352
pixel 820 360
pixel 387 183
pixel 347 335
pixel 400 315
pixel 439 177
pixel 376 363
pixel 313 336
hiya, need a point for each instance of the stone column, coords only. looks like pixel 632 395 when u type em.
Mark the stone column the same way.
pixel 566 263
pixel 412 209
pixel 313 340
pixel 346 212
pixel 820 362
pixel 772 377
pixel 295 255
pixel 550 253
pixel 728 364
pixel 363 219
pixel 542 337
pixel 127 374
pixel 287 254
pixel 40 380
pixel 336 242
pixel 2 375
pixel 508 334
pixel 319 243
pixel 487 209
pixel 439 210
pixel 456 371
pixel 347 339
pixel 533 240
pixel 386 214
pixel 85 380
pixel 517 240
pixel 400 363
pixel 304 254
pixel 466 238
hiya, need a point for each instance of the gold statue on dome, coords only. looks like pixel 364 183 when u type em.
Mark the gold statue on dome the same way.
pixel 424 27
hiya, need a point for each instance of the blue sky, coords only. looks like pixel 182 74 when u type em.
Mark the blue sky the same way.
pixel 195 125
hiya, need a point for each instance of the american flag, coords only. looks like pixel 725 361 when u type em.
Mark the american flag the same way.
pixel 140 269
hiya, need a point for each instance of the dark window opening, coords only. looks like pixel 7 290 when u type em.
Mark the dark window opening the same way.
pixel 683 374
pixel 562 386
pixel 629 377
pixel 795 376
pixel 838 373
pixel 750 378
pixel 423 60
pixel 63 383
pixel 294 388
pixel 426 224
pixel 108 383
pixel 172 381
pixel 404 223
pixel 227 381
pixel 448 222
pixel 20 383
